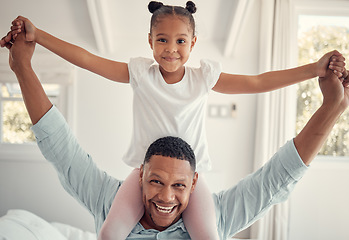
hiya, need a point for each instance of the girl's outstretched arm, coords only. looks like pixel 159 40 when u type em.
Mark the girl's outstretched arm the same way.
pixel 115 71
pixel 269 81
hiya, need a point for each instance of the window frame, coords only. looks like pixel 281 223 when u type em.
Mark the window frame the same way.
pixel 50 69
pixel 320 8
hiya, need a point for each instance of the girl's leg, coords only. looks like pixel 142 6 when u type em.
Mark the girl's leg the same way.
pixel 126 210
pixel 200 216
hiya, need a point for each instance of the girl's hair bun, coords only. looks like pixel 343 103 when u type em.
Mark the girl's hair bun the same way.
pixel 153 6
pixel 190 6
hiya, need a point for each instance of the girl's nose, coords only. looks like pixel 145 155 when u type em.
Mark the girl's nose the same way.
pixel 171 47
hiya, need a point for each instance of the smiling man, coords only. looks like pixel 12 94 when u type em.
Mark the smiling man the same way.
pixel 168 176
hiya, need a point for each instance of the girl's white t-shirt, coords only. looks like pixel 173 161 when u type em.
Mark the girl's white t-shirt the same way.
pixel 161 109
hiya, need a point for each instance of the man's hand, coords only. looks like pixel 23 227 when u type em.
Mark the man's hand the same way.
pixel 335 92
pixel 336 99
pixel 21 53
pixel 34 96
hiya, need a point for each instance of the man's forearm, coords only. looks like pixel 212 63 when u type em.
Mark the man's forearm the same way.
pixel 310 140
pixel 35 99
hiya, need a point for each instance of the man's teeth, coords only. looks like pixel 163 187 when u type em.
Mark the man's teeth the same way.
pixel 164 209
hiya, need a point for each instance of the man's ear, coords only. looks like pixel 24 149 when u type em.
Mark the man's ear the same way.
pixel 141 169
pixel 150 40
pixel 193 41
pixel 195 180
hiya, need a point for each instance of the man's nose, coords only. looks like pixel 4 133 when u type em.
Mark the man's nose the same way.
pixel 167 194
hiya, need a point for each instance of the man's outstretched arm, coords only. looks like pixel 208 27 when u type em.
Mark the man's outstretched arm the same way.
pixel 335 100
pixel 79 175
pixel 246 202
pixel 34 96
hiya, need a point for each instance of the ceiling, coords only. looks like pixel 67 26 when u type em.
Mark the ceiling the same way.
pixel 103 24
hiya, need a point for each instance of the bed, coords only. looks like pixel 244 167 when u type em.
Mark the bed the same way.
pixel 20 224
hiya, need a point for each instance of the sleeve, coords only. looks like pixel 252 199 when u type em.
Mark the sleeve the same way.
pixel 137 67
pixel 245 203
pixel 211 70
pixel 76 170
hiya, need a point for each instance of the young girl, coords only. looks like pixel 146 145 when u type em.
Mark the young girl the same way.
pixel 169 99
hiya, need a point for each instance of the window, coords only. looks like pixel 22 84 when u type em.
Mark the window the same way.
pixel 17 141
pixel 15 121
pixel 320 30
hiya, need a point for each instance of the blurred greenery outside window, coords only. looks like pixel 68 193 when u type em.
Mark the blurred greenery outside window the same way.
pixel 317 35
pixel 15 121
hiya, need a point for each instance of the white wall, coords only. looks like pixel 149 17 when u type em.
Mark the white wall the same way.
pixel 103 123
pixel 319 204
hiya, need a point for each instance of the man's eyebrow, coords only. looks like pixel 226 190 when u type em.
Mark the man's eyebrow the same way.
pixel 155 175
pixel 182 179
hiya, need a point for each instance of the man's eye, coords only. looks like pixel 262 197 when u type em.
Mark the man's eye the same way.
pixel 179 185
pixel 155 181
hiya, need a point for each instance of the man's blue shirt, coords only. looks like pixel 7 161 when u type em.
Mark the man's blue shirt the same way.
pixel 236 208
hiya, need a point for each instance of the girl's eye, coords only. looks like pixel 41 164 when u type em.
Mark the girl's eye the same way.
pixel 162 40
pixel 181 41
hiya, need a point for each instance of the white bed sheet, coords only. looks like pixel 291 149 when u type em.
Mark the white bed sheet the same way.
pixel 20 224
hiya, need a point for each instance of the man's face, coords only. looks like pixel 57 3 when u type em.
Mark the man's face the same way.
pixel 166 187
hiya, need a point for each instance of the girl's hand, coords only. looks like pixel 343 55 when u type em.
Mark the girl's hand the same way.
pixel 337 65
pixel 22 24
pixel 332 60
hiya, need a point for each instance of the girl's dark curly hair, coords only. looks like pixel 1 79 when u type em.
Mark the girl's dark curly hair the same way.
pixel 158 10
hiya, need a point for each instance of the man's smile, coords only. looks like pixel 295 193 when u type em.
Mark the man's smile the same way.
pixel 163 209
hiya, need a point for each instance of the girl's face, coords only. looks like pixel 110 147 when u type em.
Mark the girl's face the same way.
pixel 172 41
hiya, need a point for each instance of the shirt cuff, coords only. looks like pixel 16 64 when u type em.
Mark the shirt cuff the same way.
pixel 48 124
pixel 291 161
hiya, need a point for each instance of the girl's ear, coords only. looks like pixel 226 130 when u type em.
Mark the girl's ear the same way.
pixel 193 41
pixel 150 40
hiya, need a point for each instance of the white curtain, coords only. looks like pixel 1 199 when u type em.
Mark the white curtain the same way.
pixel 275 117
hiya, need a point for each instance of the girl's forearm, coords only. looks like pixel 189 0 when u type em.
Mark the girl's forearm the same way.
pixel 70 52
pixel 265 82
pixel 278 79
pixel 115 71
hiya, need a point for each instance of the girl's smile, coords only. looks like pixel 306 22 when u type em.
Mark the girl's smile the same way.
pixel 171 59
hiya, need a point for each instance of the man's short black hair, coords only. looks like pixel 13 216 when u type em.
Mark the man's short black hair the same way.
pixel 173 147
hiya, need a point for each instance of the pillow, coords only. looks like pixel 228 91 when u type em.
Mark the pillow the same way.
pixel 20 224
pixel 73 233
